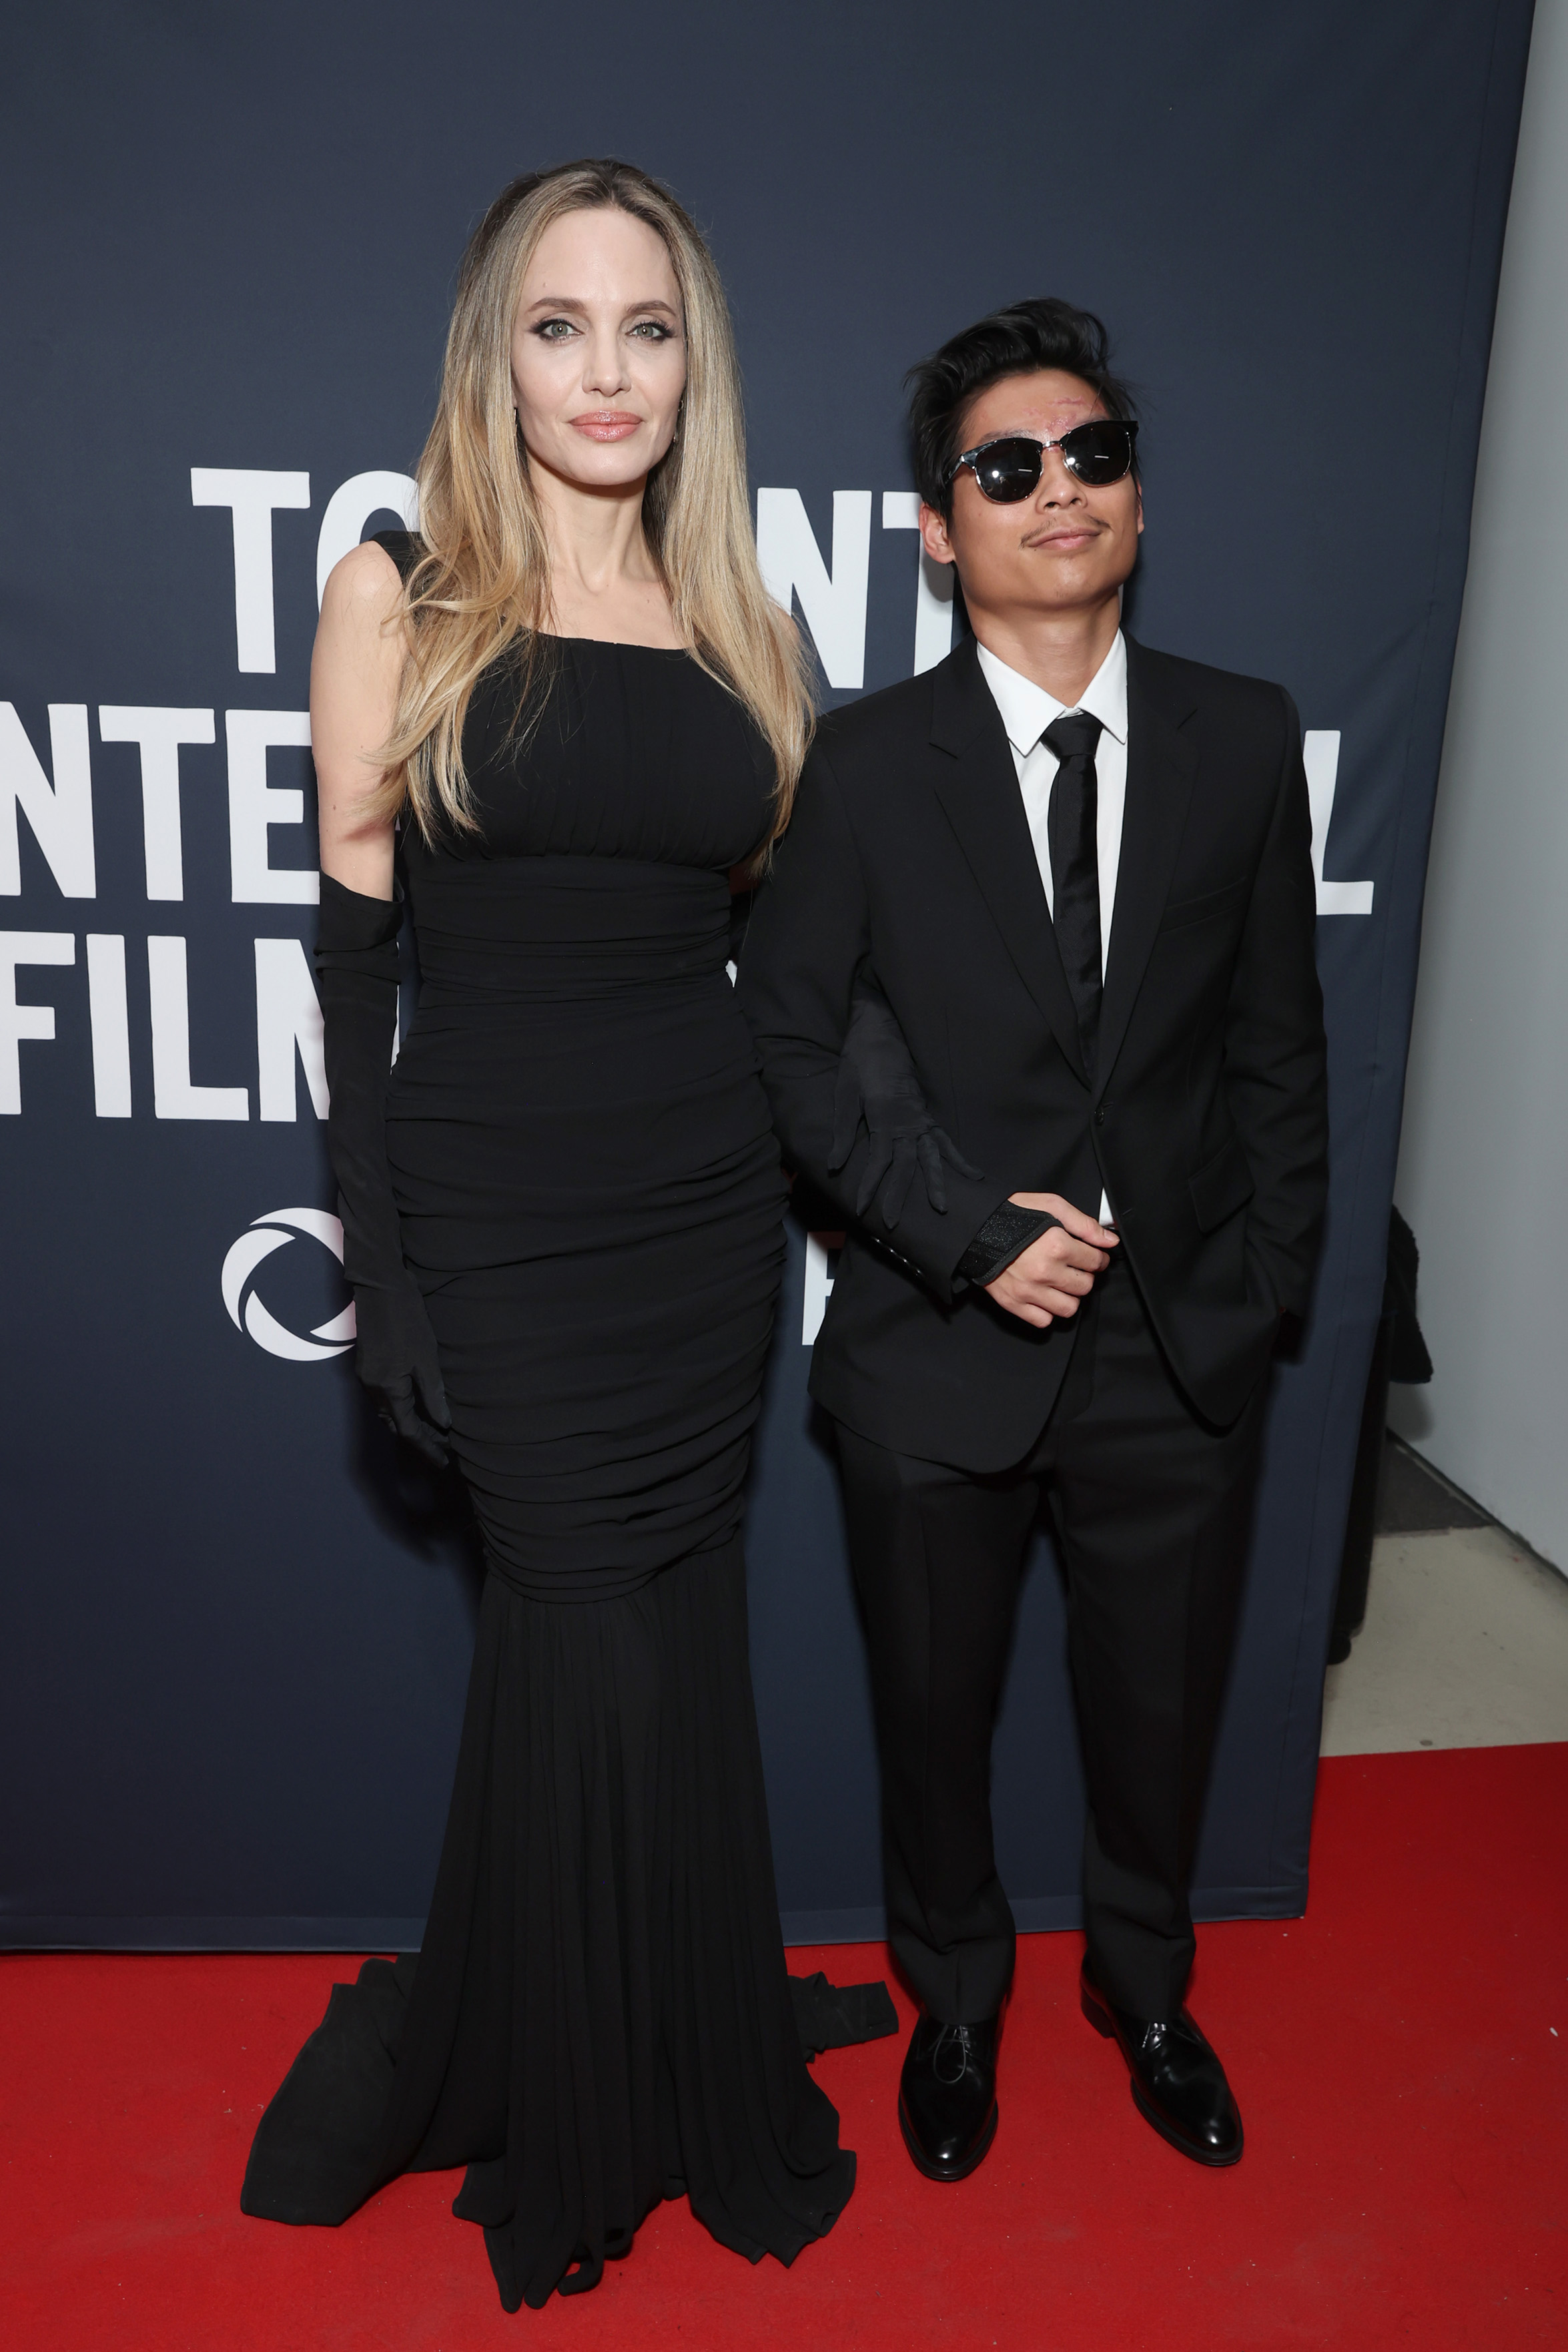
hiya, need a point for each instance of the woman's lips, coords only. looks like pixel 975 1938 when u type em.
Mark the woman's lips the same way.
pixel 606 424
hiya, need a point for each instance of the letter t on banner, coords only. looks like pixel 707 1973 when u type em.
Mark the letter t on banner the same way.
pixel 934 593
pixel 252 496
pixel 160 734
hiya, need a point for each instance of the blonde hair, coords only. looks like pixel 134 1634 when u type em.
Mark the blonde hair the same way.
pixel 481 586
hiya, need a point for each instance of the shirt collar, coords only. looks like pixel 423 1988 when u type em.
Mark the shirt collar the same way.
pixel 1028 711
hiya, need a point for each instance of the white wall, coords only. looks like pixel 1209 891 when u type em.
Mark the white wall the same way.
pixel 1483 1167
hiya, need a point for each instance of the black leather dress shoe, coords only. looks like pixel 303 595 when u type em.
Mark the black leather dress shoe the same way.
pixel 1178 2083
pixel 948 2096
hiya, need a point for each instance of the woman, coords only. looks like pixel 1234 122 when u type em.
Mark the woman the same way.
pixel 573 699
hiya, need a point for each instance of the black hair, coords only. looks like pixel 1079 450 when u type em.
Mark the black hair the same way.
pixel 1026 337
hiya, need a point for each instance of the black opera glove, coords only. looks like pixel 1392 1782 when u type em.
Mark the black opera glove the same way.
pixel 356 964
pixel 740 904
pixel 876 1083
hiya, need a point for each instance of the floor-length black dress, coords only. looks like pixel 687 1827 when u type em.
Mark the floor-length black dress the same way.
pixel 591 1199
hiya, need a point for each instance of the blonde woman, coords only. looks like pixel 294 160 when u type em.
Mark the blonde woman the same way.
pixel 564 712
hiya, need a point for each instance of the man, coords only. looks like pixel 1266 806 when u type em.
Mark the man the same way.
pixel 1080 873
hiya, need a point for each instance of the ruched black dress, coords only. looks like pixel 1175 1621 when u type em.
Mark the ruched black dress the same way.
pixel 591 1199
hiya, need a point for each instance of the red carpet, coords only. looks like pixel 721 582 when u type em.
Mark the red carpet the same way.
pixel 1404 2180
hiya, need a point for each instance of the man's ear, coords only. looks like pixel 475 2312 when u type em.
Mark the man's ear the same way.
pixel 1140 490
pixel 933 535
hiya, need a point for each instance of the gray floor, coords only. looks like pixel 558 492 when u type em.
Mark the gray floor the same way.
pixel 1465 1642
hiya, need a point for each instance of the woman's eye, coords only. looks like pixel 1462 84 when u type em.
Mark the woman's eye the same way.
pixel 652 330
pixel 554 331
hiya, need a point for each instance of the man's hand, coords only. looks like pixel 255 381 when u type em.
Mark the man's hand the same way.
pixel 1054 1273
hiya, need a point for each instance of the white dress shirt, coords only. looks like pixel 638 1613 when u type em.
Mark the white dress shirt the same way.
pixel 1027 711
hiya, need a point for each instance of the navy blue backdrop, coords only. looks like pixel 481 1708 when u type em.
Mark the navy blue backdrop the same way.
pixel 235 1628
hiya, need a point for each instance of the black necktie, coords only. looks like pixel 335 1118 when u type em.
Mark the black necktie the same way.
pixel 1073 831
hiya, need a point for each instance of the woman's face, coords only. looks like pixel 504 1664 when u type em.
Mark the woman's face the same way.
pixel 599 353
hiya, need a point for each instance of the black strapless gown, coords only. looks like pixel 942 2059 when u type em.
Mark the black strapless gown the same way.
pixel 591 1202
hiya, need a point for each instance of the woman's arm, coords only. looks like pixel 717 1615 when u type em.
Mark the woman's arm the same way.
pixel 354 675
pixel 353 702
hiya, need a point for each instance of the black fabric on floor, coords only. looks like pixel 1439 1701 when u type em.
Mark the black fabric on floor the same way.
pixel 833 2017
pixel 601 2016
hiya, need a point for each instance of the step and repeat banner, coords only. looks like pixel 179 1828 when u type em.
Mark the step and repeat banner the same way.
pixel 235 1625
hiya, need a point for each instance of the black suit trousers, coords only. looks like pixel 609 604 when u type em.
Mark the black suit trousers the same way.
pixel 1151 1509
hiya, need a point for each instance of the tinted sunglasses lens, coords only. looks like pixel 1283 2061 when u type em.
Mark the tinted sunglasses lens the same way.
pixel 1008 470
pixel 1099 452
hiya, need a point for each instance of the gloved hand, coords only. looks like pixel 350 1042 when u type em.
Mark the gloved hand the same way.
pixel 356 959
pixel 397 1361
pixel 876 1083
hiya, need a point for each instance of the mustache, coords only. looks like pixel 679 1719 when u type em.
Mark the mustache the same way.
pixel 1086 523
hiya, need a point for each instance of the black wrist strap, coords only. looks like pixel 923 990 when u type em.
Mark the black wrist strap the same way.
pixel 1005 1234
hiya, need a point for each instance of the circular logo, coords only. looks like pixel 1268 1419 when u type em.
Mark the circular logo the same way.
pixel 246 1312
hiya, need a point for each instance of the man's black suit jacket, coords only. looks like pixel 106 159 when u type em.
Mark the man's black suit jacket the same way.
pixel 1205 1115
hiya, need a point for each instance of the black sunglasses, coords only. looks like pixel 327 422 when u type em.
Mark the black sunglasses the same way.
pixel 1098 453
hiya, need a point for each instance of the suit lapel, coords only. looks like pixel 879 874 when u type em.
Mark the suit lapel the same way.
pixel 1162 762
pixel 979 793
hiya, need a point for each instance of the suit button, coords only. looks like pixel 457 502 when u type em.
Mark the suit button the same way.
pixel 1100 1116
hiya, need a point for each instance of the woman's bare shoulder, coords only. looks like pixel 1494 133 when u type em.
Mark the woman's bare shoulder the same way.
pixel 363 588
pixel 357 635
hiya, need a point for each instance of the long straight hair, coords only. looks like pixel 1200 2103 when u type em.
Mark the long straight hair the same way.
pixel 481 588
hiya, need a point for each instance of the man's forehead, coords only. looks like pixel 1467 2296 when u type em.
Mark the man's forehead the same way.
pixel 1050 399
